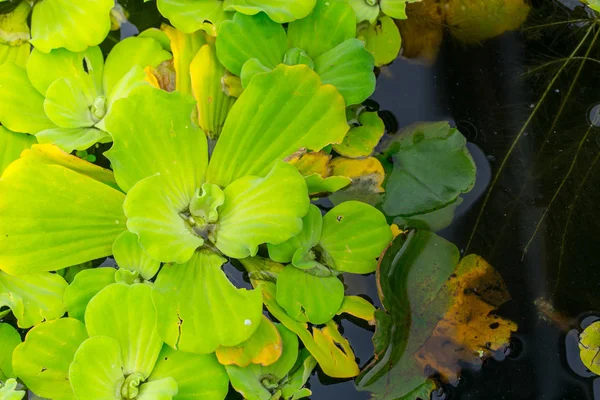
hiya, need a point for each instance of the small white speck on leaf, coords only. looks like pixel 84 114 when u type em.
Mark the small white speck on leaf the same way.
pixel 247 322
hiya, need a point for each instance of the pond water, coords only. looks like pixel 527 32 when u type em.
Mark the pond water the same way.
pixel 528 102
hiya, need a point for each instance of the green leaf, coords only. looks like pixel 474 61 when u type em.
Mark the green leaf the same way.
pixel 411 276
pixel 21 106
pixel 348 67
pixel 589 347
pixel 162 389
pixel 206 72
pixel 251 68
pixel 309 298
pixel 330 23
pixel 131 321
pixel 70 24
pixel 317 184
pixel 163 139
pixel 42 360
pixel 382 39
pixel 185 296
pixel 8 390
pixel 294 388
pixel 354 235
pixel 64 225
pixel 280 11
pixel 432 167
pixel 192 15
pixel 268 43
pixel 255 212
pixel 11 146
pixel 10 338
pixel 432 221
pixel 85 286
pixel 308 237
pixel 300 113
pixel 361 140
pixel 263 347
pixel 395 8
pixel 33 298
pixel 14 35
pixel 68 105
pixel 185 47
pixel 69 139
pixel 96 370
pixel 198 376
pixel 129 255
pixel 364 11
pixel 128 53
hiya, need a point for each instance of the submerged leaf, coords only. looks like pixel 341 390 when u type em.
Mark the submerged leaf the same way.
pixel 185 296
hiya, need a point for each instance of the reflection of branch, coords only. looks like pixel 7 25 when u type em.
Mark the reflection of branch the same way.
pixel 572 21
pixel 537 227
pixel 518 137
pixel 569 214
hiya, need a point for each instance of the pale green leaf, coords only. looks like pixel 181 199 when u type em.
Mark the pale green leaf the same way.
pixel 68 105
pixel 294 388
pixel 33 298
pixel 395 8
pixel 192 15
pixel 87 284
pixel 330 23
pixel 70 24
pixel 251 68
pixel 309 298
pixel 69 139
pixel 198 376
pixel 129 255
pixel 364 11
pixel 42 360
pixel 317 184
pixel 8 390
pixel 300 113
pixel 10 338
pixel 268 43
pixel 280 11
pixel 11 146
pixel 129 53
pixel 131 321
pixel 162 389
pixel 261 210
pixel 199 309
pixel 21 106
pixel 382 39
pixel 308 237
pixel 353 237
pixel 96 370
pixel 65 223
pixel 15 54
pixel 158 35
pixel 361 140
pixel 153 132
pixel 348 67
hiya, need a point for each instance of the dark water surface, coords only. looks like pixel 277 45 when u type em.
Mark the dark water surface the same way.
pixel 539 226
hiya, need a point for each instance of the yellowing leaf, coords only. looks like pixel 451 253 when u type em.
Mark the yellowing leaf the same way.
pixel 315 168
pixel 184 47
pixel 264 347
pixel 367 173
pixel 589 347
pixel 359 308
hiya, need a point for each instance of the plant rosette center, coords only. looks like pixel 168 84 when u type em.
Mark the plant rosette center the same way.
pixel 202 215
pixel 131 386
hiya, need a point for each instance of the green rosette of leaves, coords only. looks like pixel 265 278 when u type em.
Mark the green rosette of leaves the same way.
pixel 184 210
pixel 63 97
pixel 118 354
pixel 192 15
pixel 370 10
pixel 324 41
pixel 347 239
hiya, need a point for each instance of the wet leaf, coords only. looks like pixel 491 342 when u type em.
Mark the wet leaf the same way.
pixel 264 347
pixel 10 338
pixel 184 295
pixel 431 168
pixel 42 360
pixel 589 347
pixel 129 255
pixel 382 39
pixel 87 284
pixel 11 146
pixel 438 314
pixel 361 140
pixel 33 298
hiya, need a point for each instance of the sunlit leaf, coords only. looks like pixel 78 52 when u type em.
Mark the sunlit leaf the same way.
pixel 9 390
pixel 68 105
pixel 589 347
pixel 10 338
pixel 184 47
pixel 131 321
pixel 11 146
pixel 359 308
pixel 69 24
pixel 206 72
pixel 255 212
pixel 14 35
pixel 197 375
pixel 185 295
pixel 129 255
pixel 309 298
pixel 192 15
pixel 42 360
pixel 268 46
pixel 33 298
pixel 382 39
pixel 361 140
pixel 162 389
pixel 329 24
pixel 36 240
pixel 87 284
pixel 69 139
pixel 300 113
pixel 279 11
pixel 96 370
pixel 432 167
pixel 263 347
